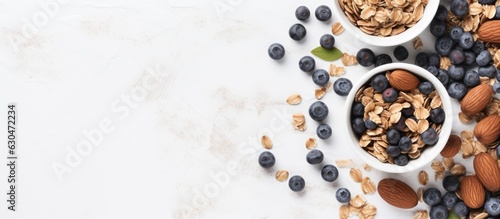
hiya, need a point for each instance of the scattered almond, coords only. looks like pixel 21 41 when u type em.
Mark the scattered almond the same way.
pixel 294 99
pixel 487 130
pixel 472 192
pixel 266 142
pixel 452 146
pixel 476 99
pixel 423 178
pixel 282 175
pixel 397 193
pixel 403 81
pixel 487 171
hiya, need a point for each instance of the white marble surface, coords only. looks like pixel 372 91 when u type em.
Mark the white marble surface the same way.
pixel 181 91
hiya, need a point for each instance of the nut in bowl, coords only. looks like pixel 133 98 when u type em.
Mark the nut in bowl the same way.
pixel 385 23
pixel 396 119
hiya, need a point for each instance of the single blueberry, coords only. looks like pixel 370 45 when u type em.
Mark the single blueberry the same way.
pixel 365 57
pixel 393 151
pixel 382 59
pixel 408 112
pixel 439 212
pixel 486 2
pixel 498 75
pixel 497 13
pixel 390 95
pixel 358 126
pixel 443 77
pixel 404 144
pixel 320 77
pixel 314 156
pixel 487 71
pixel 460 209
pixel 451 183
pixel 297 32
pixel 492 206
pixel 496 87
pixel 302 13
pixel 471 78
pixel 296 183
pixel 379 82
pixel 400 125
pixel 370 125
pixel 483 58
pixel 327 41
pixel 449 199
pixel 470 58
pixel 456 32
pixel 393 136
pixel 434 60
pixel 430 137
pixel 342 86
pixel 358 110
pixel 459 7
pixel 276 51
pixel 441 13
pixel 478 47
pixel 456 56
pixel 324 131
pixel 457 90
pixel 400 53
pixel 438 28
pixel 434 70
pixel 456 72
pixel 426 87
pixel 402 160
pixel 343 195
pixel 466 41
pixel 443 45
pixel 307 64
pixel 329 173
pixel 318 111
pixel 323 13
pixel 422 59
pixel 266 159
pixel 432 196
pixel 437 115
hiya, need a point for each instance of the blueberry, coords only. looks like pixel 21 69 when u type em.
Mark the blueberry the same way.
pixel 329 173
pixel 459 7
pixel 457 90
pixel 443 45
pixel 430 137
pixel 323 13
pixel 456 32
pixel 379 82
pixel 327 41
pixel 296 183
pixel 358 110
pixel 438 28
pixel 492 206
pixel 324 131
pixel 487 71
pixel 320 77
pixel 401 160
pixel 400 125
pixel 437 115
pixel 456 56
pixel 470 58
pixel 451 183
pixel 408 112
pixel 497 13
pixel 434 60
pixel 483 58
pixel 425 87
pixel 498 75
pixel 266 159
pixel 297 32
pixel 471 78
pixel 456 72
pixel 478 47
pixel 358 126
pixel 466 41
pixel 343 195
pixel 441 13
pixel 460 209
pixel 438 212
pixel 486 2
pixel 390 95
pixel 382 59
pixel 318 111
pixel 498 150
pixel 404 144
pixel 496 87
pixel 314 156
pixel 422 60
pixel 307 64
pixel 434 70
pixel 276 51
pixel 393 136
pixel 449 199
pixel 432 196
pixel 370 125
pixel 393 151
pixel 458 47
pixel 302 13
pixel 443 77
pixel 342 86
pixel 365 57
pixel 400 53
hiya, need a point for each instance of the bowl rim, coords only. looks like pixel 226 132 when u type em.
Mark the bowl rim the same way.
pixel 430 153
pixel 409 34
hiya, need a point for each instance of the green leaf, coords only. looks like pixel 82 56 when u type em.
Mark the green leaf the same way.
pixel 452 215
pixel 327 54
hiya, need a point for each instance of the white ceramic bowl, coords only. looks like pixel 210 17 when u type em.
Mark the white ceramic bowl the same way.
pixel 407 35
pixel 430 152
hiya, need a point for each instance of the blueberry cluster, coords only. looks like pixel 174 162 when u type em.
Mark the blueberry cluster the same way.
pixel 366 57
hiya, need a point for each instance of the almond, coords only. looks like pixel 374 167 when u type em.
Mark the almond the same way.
pixel 488 31
pixel 487 171
pixel 472 192
pixel 487 130
pixel 403 81
pixel 476 99
pixel 452 146
pixel 397 193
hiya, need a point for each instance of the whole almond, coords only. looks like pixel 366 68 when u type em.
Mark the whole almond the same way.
pixel 452 146
pixel 487 130
pixel 488 31
pixel 487 171
pixel 397 193
pixel 403 81
pixel 476 99
pixel 472 191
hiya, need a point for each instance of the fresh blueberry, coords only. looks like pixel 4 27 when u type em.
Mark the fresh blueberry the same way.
pixel 483 58
pixel 365 57
pixel 471 78
pixel 358 126
pixel 400 125
pixel 451 183
pixel 276 51
pixel 438 28
pixel 459 7
pixel 314 156
pixel 343 195
pixel 324 131
pixel 487 71
pixel 438 212
pixel 497 13
pixel 434 70
pixel 457 90
pixel 323 13
pixel 327 41
pixel 266 159
pixel 390 95
pixel 496 87
pixel 307 64
pixel 487 195
pixel 456 56
pixel 456 72
pixel 449 199
pixel 400 53
pixel 460 209
pixel 434 60
pixel 379 82
pixel 404 144
pixel 393 151
pixel 318 111
pixel 478 47
pixel 425 87
pixel 302 13
pixel 486 2
pixel 492 206
pixel 402 160
pixel 498 150
pixel 408 112
pixel 432 196
pixel 443 77
pixel 370 125
pixel 443 45
pixel 358 110
pixel 437 115
pixel 342 86
pixel 470 58
pixel 320 77
pixel 466 41
pixel 329 173
pixel 456 32
pixel 296 183
pixel 458 47
pixel 441 13
pixel 393 136
pixel 382 59
pixel 297 32
pixel 422 60
pixel 498 75
pixel 430 137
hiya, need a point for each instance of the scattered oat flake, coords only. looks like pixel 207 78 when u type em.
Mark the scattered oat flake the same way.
pixel 422 214
pixel 420 194
pixel 337 28
pixel 369 210
pixel 344 212
pixel 266 142
pixel 423 178
pixel 311 143
pixel 320 92
pixel 282 175
pixel 349 60
pixel 344 163
pixel 358 201
pixel 417 43
pixel 367 186
pixel 448 163
pixel 367 167
pixel 299 122
pixel 356 175
pixel 294 99
pixel 458 170
pixel 336 70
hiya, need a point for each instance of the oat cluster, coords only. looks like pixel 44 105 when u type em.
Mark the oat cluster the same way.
pixel 358 206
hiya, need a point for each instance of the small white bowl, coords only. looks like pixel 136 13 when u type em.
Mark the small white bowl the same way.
pixel 407 35
pixel 430 152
